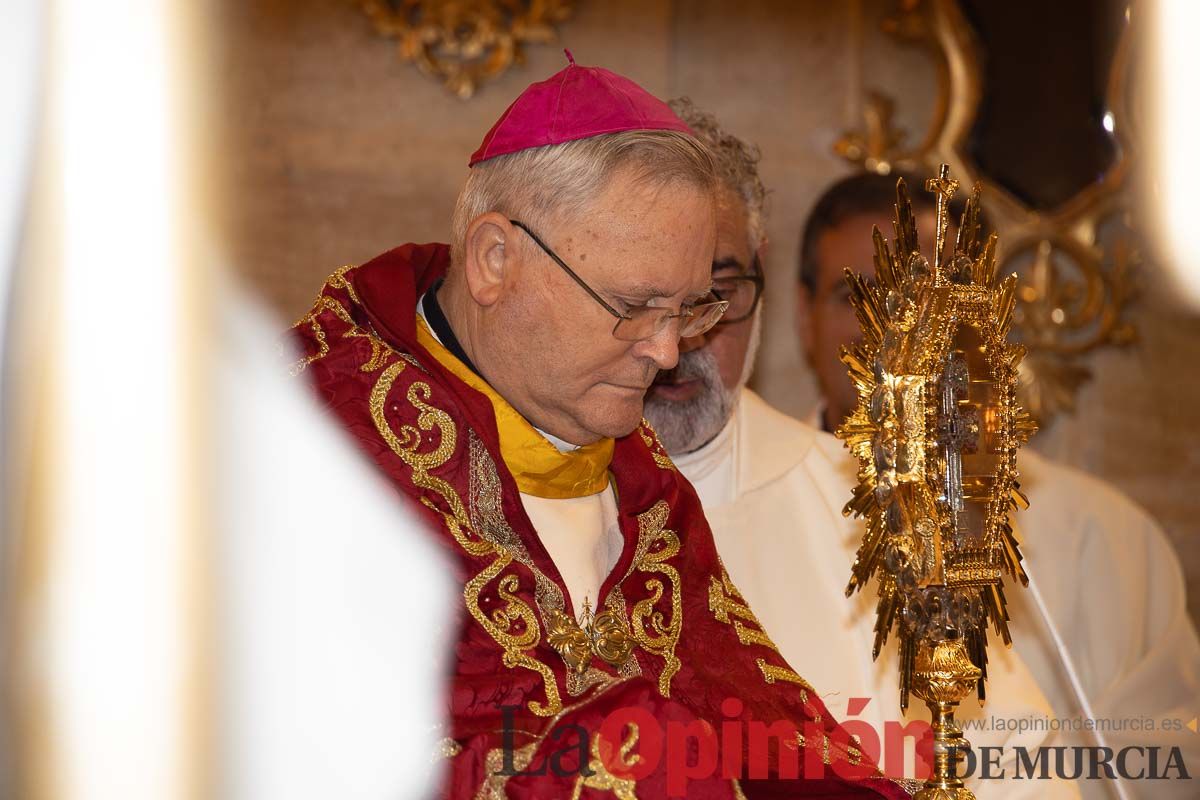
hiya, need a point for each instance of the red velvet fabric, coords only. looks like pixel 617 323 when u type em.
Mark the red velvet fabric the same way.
pixel 352 362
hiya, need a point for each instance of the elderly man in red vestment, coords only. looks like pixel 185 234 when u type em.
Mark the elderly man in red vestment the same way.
pixel 498 383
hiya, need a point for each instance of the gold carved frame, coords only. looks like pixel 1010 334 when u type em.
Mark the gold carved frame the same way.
pixel 1074 297
pixel 464 43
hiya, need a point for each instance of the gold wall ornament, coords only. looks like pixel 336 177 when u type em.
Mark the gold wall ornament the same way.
pixel 464 43
pixel 935 432
pixel 1077 262
pixel 877 147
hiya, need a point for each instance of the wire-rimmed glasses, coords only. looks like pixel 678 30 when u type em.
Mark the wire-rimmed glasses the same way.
pixel 643 322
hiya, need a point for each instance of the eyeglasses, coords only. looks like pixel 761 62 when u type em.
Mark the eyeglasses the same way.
pixel 742 292
pixel 644 322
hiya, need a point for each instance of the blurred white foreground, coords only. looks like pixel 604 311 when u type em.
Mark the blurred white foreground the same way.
pixel 331 599
pixel 206 591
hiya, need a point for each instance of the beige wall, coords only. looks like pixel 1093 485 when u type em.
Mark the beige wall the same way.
pixel 333 150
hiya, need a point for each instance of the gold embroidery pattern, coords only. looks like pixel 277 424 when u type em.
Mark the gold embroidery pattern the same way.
pixel 514 626
pixel 728 606
pixel 517 616
pixel 317 303
pixel 656 545
pixel 407 444
pixel 748 635
pixel 323 303
pixel 338 281
pixel 845 753
pixel 493 787
pixel 483 531
pixel 379 349
pixel 772 673
pixel 616 603
pixel 495 777
pixel 726 603
pixel 601 778
pixel 910 785
pixel 487 517
pixel 322 346
pixel 656 449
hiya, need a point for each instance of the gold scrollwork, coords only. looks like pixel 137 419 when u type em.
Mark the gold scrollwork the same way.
pixel 338 280
pixel 728 606
pixel 408 443
pixel 657 451
pixel 656 545
pixel 772 673
pixel 514 625
pixel 574 645
pixel 598 775
pixel 466 42
pixel 495 773
pixel 494 786
pixel 322 346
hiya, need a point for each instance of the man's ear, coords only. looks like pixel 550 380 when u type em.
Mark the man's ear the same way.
pixel 490 257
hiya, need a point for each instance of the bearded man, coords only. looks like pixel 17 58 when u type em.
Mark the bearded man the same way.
pixel 498 383
pixel 772 488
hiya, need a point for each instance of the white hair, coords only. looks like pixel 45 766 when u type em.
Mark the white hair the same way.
pixel 542 185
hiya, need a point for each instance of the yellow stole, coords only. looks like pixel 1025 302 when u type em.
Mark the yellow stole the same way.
pixel 540 468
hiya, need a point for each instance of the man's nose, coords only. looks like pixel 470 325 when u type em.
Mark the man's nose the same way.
pixel 662 348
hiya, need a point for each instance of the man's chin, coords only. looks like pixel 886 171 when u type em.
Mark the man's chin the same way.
pixel 615 420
